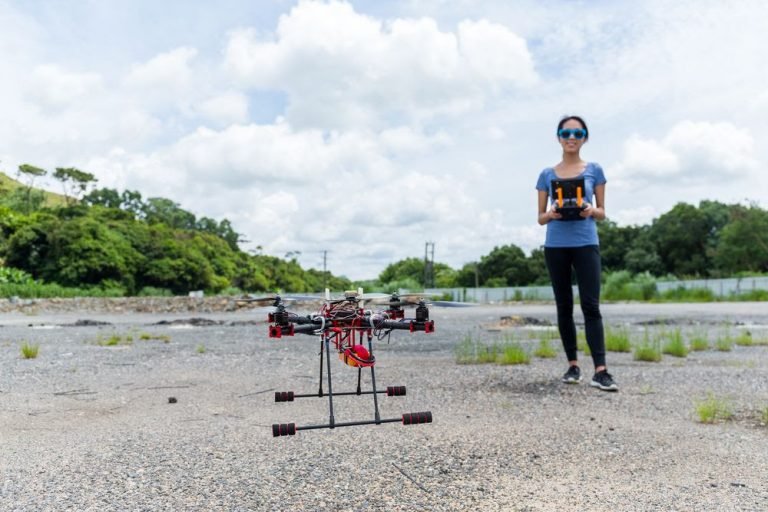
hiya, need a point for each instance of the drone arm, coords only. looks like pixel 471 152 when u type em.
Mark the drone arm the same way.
pixel 407 325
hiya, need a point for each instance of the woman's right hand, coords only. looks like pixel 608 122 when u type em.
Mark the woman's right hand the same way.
pixel 549 215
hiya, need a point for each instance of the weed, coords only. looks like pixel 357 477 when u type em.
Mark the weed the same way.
pixel 647 389
pixel 513 353
pixel 545 350
pixel 617 340
pixel 699 342
pixel 744 339
pixel 764 416
pixel 724 344
pixel 114 340
pixel 200 349
pixel 29 351
pixel 648 350
pixel 675 346
pixel 471 351
pixel 160 337
pixel 712 409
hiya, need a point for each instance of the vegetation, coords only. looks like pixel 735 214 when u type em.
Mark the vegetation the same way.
pixel 105 242
pixel 649 350
pixel 545 349
pixel 513 353
pixel 29 351
pixel 617 340
pixel 675 345
pixel 712 409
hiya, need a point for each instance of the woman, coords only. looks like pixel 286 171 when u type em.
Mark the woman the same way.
pixel 572 245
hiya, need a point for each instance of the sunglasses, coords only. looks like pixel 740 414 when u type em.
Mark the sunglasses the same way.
pixel 566 133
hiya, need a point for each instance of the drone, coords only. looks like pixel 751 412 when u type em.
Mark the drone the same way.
pixel 345 327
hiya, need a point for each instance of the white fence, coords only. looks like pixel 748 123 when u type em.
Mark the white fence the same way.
pixel 720 287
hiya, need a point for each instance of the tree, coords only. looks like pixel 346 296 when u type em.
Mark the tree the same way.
pixel 74 181
pixel 681 238
pixel 165 211
pixel 744 242
pixel 30 173
pixel 507 262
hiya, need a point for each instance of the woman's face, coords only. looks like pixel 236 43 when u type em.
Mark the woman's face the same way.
pixel 572 144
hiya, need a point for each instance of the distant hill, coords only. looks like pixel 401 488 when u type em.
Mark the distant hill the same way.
pixel 7 184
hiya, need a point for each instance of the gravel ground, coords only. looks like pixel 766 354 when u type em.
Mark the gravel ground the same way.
pixel 90 427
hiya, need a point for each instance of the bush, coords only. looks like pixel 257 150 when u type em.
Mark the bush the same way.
pixel 622 285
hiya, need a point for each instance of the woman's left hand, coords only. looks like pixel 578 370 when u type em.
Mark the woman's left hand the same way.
pixel 587 211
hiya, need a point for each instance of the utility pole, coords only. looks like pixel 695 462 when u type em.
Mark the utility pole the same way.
pixel 429 265
pixel 325 272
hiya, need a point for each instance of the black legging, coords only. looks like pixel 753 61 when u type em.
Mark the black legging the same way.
pixel 586 262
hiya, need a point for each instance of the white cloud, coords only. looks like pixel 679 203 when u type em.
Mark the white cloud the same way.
pixel 343 69
pixel 690 150
pixel 225 109
pixel 54 87
pixel 168 71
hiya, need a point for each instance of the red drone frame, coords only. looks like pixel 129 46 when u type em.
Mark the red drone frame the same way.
pixel 349 328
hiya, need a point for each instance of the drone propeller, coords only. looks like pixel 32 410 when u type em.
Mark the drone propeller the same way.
pixel 273 300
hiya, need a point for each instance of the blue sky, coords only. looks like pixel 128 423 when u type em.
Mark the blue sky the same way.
pixel 368 128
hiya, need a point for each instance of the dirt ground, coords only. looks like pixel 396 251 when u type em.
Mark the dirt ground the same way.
pixel 89 423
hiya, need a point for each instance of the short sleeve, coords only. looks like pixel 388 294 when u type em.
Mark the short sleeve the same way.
pixel 599 175
pixel 542 184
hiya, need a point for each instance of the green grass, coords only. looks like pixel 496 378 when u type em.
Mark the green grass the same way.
pixel 649 350
pixel 712 409
pixel 545 349
pixel 29 351
pixel 513 353
pixel 200 349
pixel 675 346
pixel 115 340
pixel 744 339
pixel 764 416
pixel 160 337
pixel 470 350
pixel 617 340
pixel 699 342
pixel 724 343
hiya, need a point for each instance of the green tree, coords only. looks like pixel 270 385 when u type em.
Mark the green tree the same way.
pixel 681 238
pixel 744 242
pixel 505 266
pixel 74 181
pixel 33 198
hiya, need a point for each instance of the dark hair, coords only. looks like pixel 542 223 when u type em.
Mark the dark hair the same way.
pixel 575 118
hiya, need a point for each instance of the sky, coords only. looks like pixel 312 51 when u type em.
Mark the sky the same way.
pixel 361 130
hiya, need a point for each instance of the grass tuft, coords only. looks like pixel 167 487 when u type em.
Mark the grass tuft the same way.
pixel 764 416
pixel 545 350
pixel 649 350
pixel 114 340
pixel 513 353
pixel 29 351
pixel 699 342
pixel 724 343
pixel 617 340
pixel 675 346
pixel 470 350
pixel 712 409
pixel 200 349
pixel 744 339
